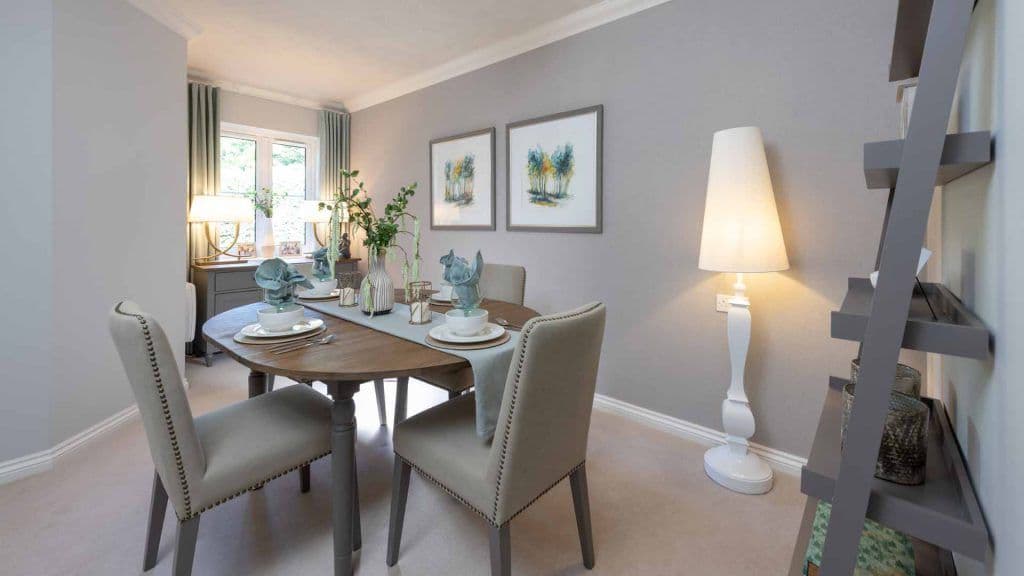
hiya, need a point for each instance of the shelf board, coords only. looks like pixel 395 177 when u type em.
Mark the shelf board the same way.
pixel 961 154
pixel 957 331
pixel 943 511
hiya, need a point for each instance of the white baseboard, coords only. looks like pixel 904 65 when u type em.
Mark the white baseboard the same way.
pixel 24 466
pixel 781 461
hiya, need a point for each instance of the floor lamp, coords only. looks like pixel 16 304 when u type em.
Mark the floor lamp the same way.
pixel 741 234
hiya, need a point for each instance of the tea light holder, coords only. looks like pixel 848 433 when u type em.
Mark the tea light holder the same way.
pixel 348 286
pixel 418 298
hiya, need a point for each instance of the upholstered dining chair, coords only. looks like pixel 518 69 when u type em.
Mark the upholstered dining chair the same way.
pixel 541 437
pixel 206 461
pixel 503 282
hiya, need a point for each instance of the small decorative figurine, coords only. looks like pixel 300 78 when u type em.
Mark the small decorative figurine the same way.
pixel 465 280
pixel 321 265
pixel 344 247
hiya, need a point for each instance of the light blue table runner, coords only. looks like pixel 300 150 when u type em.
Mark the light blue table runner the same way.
pixel 490 365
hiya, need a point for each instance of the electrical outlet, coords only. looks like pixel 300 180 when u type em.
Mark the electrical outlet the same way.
pixel 722 302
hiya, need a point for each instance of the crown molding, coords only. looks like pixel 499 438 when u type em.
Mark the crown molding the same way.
pixel 160 11
pixel 265 94
pixel 580 21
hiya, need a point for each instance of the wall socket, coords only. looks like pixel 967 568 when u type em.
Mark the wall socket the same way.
pixel 722 302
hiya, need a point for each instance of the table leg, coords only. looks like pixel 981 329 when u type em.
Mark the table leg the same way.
pixel 401 399
pixel 343 473
pixel 257 383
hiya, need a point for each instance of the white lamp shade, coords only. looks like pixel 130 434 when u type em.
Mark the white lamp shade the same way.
pixel 311 212
pixel 741 230
pixel 221 209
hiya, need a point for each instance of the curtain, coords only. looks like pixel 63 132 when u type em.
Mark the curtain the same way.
pixel 334 146
pixel 203 157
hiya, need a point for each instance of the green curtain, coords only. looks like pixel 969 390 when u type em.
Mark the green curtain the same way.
pixel 334 147
pixel 203 156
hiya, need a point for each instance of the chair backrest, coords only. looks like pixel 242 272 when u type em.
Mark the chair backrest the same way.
pixel 166 416
pixel 545 412
pixel 503 282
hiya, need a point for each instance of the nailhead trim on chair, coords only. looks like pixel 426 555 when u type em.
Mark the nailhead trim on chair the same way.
pixel 515 393
pixel 261 483
pixel 165 408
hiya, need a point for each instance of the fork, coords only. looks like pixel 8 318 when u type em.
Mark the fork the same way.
pixel 306 344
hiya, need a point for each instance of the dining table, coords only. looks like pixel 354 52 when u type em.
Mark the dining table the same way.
pixel 357 354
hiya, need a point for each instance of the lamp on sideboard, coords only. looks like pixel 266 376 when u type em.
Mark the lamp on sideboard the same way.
pixel 312 213
pixel 216 209
pixel 741 234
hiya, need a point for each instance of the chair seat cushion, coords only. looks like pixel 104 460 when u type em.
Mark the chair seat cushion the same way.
pixel 442 444
pixel 259 439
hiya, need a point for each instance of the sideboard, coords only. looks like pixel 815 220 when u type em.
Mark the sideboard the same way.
pixel 225 285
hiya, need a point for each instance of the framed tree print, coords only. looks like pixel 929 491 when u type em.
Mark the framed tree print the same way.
pixel 554 172
pixel 462 182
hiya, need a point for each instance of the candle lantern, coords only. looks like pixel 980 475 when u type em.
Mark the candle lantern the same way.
pixel 418 298
pixel 348 285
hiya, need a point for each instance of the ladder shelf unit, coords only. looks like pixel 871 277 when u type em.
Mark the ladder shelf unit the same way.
pixel 942 515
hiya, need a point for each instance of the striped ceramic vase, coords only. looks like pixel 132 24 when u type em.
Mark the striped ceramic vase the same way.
pixel 377 293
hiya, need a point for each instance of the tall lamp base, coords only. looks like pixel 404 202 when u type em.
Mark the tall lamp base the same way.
pixel 738 470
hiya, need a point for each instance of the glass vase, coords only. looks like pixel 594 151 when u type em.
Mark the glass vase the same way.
pixel 377 292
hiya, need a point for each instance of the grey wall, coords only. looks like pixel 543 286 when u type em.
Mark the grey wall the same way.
pixel 26 57
pixel 98 207
pixel 982 231
pixel 811 74
pixel 119 155
pixel 252 111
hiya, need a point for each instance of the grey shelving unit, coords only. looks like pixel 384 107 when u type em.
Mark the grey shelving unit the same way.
pixel 943 514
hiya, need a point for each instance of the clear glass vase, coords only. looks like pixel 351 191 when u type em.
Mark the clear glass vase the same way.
pixel 377 292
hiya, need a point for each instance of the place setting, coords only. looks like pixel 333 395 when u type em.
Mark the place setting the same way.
pixel 282 325
pixel 466 326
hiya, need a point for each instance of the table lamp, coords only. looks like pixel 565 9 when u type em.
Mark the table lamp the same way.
pixel 741 234
pixel 216 209
pixel 312 213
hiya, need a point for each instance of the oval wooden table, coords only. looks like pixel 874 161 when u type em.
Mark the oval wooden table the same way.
pixel 357 355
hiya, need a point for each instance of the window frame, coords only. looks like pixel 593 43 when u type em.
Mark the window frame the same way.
pixel 265 139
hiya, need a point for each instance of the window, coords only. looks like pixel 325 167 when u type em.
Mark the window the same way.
pixel 253 159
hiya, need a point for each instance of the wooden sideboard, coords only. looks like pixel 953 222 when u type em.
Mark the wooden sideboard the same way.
pixel 221 286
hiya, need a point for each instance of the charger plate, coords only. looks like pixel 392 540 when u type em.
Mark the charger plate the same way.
pixel 489 344
pixel 306 296
pixel 243 339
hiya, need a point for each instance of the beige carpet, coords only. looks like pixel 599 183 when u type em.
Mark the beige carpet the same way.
pixel 654 511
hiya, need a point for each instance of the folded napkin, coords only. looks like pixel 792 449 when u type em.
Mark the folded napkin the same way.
pixel 490 365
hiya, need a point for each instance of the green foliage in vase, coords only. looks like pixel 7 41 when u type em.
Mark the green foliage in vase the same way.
pixel 265 199
pixel 379 232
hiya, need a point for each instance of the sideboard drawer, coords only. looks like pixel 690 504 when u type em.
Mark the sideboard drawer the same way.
pixel 235 281
pixel 225 302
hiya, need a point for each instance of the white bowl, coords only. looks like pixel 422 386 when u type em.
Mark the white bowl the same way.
pixel 462 324
pixel 273 320
pixel 322 287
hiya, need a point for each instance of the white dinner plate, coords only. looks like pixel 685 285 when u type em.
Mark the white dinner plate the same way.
pixel 304 295
pixel 307 325
pixel 490 332
pixel 436 297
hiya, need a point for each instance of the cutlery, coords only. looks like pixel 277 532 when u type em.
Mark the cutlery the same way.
pixel 291 343
pixel 506 324
pixel 325 340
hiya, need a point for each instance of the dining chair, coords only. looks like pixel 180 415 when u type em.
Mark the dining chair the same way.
pixel 205 461
pixel 503 282
pixel 541 437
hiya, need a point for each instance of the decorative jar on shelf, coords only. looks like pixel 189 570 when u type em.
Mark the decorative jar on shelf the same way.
pixel 377 292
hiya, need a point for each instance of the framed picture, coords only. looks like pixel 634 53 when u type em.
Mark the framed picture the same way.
pixel 554 172
pixel 462 182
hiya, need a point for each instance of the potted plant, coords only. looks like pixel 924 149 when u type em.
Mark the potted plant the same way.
pixel 380 236
pixel 264 201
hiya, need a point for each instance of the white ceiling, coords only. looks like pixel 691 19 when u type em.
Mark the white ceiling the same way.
pixel 337 52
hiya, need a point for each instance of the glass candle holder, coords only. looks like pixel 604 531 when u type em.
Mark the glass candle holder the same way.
pixel 418 298
pixel 348 285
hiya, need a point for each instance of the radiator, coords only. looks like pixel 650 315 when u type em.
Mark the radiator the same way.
pixel 190 312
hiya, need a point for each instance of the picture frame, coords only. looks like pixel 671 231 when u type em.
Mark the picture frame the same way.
pixel 554 172
pixel 458 202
